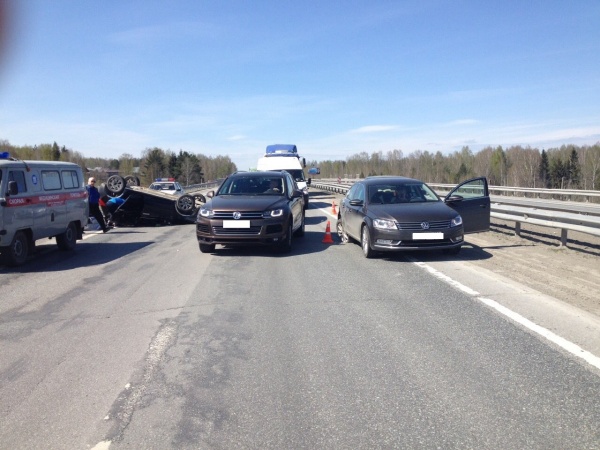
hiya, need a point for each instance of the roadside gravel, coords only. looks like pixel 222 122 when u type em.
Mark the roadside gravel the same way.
pixel 537 260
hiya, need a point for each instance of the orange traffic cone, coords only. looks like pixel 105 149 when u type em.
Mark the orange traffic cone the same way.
pixel 327 239
pixel 333 211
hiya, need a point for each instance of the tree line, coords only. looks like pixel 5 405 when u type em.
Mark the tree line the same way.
pixel 565 167
pixel 188 168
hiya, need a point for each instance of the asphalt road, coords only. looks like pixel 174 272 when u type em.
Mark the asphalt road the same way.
pixel 137 340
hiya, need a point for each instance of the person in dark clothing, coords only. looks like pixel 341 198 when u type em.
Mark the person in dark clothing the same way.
pixel 94 201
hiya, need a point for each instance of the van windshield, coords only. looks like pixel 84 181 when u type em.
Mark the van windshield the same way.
pixel 298 174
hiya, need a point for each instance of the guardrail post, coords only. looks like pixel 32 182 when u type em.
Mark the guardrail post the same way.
pixel 563 237
pixel 518 229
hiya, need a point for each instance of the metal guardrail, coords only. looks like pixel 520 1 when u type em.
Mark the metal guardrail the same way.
pixel 567 216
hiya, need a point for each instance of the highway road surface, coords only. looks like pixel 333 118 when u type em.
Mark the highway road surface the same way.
pixel 138 341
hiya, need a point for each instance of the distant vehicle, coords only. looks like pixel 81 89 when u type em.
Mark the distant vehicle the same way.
pixel 314 171
pixel 167 186
pixel 252 208
pixel 39 199
pixel 282 150
pixel 400 214
pixel 285 157
pixel 145 205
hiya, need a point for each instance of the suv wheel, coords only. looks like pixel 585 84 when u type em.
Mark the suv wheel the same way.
pixel 207 248
pixel 286 244
pixel 115 185
pixel 300 231
pixel 185 205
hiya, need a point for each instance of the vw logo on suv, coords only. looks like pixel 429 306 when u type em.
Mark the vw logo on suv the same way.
pixel 425 225
pixel 237 215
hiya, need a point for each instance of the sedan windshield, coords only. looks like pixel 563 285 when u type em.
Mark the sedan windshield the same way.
pixel 385 194
pixel 253 185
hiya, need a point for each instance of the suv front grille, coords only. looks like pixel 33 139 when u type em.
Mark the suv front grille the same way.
pixel 245 215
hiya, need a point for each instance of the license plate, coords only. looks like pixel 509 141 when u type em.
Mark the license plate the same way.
pixel 427 236
pixel 236 224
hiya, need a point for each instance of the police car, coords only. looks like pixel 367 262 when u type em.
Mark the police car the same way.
pixel 167 186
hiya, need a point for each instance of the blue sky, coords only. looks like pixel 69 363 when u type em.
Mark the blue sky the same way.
pixel 333 77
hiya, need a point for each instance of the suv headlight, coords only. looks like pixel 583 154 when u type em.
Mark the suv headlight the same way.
pixel 384 224
pixel 273 213
pixel 457 221
pixel 204 212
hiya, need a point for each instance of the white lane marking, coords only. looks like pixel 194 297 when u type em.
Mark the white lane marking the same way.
pixel 569 346
pixel 104 445
pixel 560 341
pixel 563 343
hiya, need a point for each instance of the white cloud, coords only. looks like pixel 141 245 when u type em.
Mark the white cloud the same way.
pixel 374 129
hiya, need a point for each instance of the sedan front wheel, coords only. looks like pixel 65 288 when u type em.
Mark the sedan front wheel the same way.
pixel 365 242
pixel 341 232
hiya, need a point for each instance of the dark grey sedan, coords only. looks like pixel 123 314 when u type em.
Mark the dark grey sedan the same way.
pixel 396 213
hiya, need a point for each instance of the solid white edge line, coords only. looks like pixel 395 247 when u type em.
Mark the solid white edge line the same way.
pixel 569 346
pixel 563 343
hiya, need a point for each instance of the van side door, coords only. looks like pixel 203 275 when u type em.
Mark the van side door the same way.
pixel 75 196
pixel 18 213
pixel 51 218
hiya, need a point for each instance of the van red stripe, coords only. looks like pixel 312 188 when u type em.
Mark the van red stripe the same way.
pixel 47 199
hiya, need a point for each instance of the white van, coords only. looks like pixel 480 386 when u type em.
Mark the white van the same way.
pixel 285 157
pixel 39 199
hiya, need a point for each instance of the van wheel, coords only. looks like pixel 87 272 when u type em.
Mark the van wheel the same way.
pixel 68 239
pixel 16 254
pixel 115 185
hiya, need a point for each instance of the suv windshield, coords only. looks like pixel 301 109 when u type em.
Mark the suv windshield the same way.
pixel 253 185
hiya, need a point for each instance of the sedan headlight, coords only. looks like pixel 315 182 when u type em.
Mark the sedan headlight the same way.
pixel 384 224
pixel 273 213
pixel 204 212
pixel 457 221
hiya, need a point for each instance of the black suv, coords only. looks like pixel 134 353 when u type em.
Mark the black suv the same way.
pixel 252 208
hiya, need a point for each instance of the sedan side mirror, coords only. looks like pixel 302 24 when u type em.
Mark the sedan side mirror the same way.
pixel 453 198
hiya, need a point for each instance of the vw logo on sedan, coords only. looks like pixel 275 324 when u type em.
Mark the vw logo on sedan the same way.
pixel 237 215
pixel 425 225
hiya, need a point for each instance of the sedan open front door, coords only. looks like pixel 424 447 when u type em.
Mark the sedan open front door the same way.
pixel 471 199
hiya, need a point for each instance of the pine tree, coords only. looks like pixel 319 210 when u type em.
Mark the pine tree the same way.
pixel 544 170
pixel 574 170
